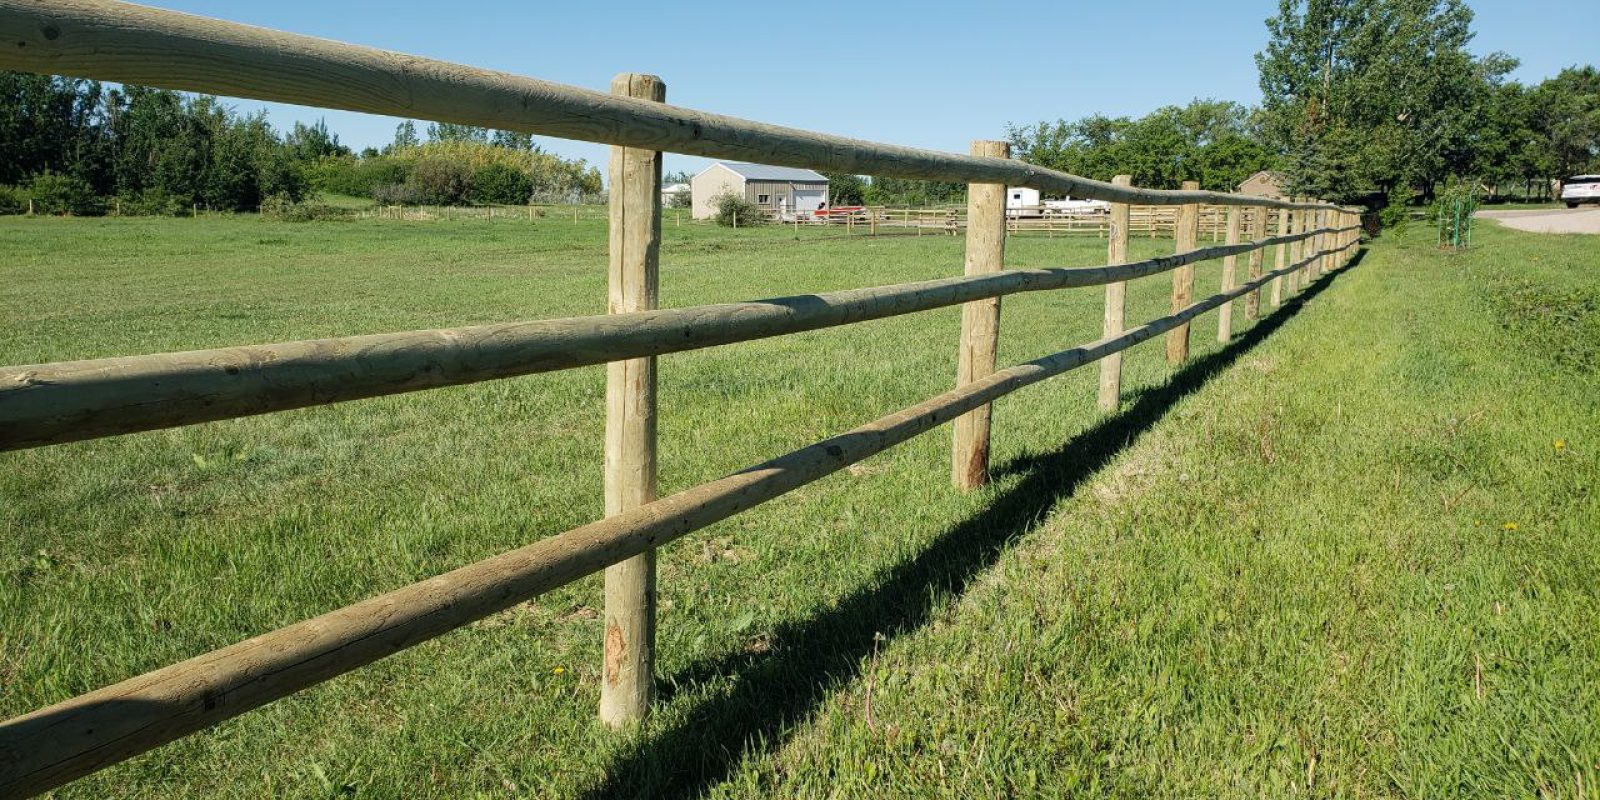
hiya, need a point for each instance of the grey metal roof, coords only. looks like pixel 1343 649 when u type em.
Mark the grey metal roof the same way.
pixel 763 172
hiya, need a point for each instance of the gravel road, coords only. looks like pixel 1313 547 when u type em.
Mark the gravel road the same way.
pixel 1583 219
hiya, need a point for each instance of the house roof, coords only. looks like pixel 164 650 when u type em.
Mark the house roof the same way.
pixel 763 172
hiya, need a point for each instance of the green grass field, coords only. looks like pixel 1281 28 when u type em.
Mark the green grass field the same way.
pixel 1354 553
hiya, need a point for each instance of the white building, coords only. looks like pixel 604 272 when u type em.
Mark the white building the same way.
pixel 670 190
pixel 785 190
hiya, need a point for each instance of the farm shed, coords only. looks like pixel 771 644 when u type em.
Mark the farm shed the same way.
pixel 1265 183
pixel 781 189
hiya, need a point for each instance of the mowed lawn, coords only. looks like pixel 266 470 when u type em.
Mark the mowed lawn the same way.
pixel 1352 554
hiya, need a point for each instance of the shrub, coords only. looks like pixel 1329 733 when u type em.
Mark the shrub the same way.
pixel 355 177
pixel 394 194
pixel 13 200
pixel 1455 199
pixel 733 210
pixel 150 203
pixel 280 207
pixel 680 199
pixel 556 197
pixel 501 183
pixel 441 181
pixel 54 193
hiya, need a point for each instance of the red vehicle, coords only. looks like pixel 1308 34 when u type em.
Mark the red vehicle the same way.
pixel 842 213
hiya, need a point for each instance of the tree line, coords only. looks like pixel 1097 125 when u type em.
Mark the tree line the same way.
pixel 82 147
pixel 1376 102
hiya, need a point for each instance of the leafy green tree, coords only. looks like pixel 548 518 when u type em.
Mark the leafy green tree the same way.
pixel 513 140
pixel 887 191
pixel 1214 142
pixel 1565 117
pixel 314 142
pixel 1365 97
pixel 52 123
pixel 451 132
pixel 405 137
pixel 845 189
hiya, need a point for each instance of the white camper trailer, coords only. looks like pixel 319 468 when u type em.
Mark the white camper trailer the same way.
pixel 1022 202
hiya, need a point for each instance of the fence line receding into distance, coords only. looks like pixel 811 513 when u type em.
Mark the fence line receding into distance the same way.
pixel 53 403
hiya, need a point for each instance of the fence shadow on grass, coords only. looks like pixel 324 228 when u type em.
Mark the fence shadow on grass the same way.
pixel 776 690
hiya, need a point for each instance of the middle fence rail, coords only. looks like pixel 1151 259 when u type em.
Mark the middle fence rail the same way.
pixel 49 404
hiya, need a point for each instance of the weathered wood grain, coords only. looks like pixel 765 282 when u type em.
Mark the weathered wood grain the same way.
pixel 1186 238
pixel 1110 392
pixel 1282 257
pixel 1258 229
pixel 627 671
pixel 1230 266
pixel 980 322
pixel 1297 222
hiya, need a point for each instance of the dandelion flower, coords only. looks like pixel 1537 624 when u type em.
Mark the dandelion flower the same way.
pixel 559 670
pixel 1561 444
pixel 1509 526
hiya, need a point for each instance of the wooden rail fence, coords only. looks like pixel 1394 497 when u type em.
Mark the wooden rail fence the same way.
pixel 47 404
pixel 1151 221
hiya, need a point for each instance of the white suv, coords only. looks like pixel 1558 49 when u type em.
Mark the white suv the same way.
pixel 1580 189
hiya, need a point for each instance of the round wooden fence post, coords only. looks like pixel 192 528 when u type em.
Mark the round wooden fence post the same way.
pixel 1281 260
pixel 1341 239
pixel 1319 247
pixel 1337 240
pixel 1344 240
pixel 1230 266
pixel 1258 229
pixel 980 320
pixel 626 683
pixel 1297 224
pixel 1116 299
pixel 1352 220
pixel 1313 246
pixel 1308 250
pixel 1186 237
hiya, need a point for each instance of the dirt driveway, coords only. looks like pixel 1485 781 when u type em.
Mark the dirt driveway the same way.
pixel 1583 219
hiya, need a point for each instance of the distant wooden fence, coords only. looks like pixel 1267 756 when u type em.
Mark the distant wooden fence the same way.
pixel 528 213
pixel 51 403
pixel 1147 220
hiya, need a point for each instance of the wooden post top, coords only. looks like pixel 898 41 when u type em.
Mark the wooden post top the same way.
pixel 639 84
pixel 991 147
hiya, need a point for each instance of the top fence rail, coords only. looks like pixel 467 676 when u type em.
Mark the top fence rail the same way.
pixel 136 44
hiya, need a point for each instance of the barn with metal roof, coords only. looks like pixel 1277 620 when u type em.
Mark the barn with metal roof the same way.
pixel 782 190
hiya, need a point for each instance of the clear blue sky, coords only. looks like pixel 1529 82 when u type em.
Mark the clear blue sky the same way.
pixel 931 74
